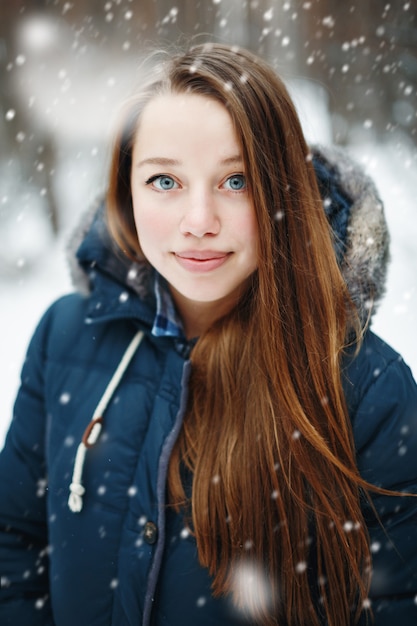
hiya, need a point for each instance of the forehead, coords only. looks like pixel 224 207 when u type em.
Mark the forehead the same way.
pixel 176 104
pixel 183 116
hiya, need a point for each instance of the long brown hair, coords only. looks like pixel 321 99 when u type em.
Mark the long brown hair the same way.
pixel 267 437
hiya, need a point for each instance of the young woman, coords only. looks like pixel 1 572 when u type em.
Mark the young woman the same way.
pixel 209 432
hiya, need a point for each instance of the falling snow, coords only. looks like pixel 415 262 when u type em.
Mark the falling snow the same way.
pixel 252 586
pixel 65 398
pixel 301 567
pixel 62 105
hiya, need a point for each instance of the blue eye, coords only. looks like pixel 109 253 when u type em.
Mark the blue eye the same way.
pixel 162 182
pixel 237 182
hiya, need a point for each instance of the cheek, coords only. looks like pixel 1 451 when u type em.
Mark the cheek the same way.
pixel 154 234
pixel 250 232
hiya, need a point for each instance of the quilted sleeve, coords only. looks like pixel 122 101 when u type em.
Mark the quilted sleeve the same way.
pixel 24 595
pixel 385 427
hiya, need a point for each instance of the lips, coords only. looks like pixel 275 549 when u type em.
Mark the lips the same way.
pixel 201 260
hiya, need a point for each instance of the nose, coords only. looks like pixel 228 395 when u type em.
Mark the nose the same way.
pixel 200 217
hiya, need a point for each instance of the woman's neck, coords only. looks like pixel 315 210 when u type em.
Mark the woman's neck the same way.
pixel 197 317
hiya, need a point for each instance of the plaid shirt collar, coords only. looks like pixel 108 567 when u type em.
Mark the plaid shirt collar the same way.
pixel 167 322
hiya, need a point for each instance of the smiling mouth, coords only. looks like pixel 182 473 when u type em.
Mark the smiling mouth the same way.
pixel 201 261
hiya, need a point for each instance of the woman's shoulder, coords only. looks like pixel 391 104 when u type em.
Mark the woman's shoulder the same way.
pixel 363 369
pixel 381 395
pixel 63 317
pixel 67 330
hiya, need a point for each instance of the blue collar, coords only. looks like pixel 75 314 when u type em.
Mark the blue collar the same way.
pixel 167 322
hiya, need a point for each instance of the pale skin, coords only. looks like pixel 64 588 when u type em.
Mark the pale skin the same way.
pixel 195 220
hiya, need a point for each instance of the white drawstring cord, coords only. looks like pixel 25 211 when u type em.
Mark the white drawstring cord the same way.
pixel 93 430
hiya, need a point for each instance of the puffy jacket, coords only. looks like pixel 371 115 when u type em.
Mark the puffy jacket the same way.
pixel 126 559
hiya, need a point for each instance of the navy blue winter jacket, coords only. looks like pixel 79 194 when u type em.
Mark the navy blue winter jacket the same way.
pixel 126 559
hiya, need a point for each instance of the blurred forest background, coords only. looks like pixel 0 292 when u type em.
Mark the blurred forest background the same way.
pixel 64 67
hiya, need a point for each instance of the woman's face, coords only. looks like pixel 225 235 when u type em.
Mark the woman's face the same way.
pixel 194 217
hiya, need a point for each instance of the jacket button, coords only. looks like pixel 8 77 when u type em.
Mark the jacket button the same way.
pixel 150 533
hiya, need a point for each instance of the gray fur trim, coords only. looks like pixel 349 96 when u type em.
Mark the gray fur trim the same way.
pixel 78 276
pixel 367 247
pixel 136 275
pixel 139 278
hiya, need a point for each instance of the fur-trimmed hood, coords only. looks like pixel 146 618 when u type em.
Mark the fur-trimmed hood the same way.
pixel 353 208
pixel 356 214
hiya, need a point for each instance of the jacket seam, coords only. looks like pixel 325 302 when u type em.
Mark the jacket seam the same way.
pixel 160 492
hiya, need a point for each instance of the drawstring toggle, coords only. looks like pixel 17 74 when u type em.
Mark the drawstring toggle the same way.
pixel 93 430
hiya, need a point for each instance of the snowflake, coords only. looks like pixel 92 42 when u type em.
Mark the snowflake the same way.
pixel 41 487
pixel 301 567
pixel 132 273
pixel 65 397
pixel 40 603
pixel 328 21
pixel 251 584
pixel 124 296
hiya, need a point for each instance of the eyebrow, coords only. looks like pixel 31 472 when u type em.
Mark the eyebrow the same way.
pixel 159 161
pixel 164 161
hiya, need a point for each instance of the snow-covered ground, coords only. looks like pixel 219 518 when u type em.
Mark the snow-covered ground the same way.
pixel 26 294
